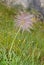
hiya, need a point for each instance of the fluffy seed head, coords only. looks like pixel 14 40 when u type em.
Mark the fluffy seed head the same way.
pixel 25 21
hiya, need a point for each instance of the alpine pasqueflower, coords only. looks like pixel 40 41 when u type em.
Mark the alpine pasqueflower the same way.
pixel 24 20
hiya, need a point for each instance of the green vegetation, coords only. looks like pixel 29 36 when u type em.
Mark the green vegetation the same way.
pixel 27 48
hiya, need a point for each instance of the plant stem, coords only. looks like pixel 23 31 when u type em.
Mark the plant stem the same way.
pixel 13 42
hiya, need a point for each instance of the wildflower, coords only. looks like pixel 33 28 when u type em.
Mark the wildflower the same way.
pixel 24 20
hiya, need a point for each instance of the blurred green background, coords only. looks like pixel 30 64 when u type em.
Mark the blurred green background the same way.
pixel 28 48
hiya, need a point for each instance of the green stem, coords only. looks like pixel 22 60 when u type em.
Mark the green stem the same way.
pixel 13 41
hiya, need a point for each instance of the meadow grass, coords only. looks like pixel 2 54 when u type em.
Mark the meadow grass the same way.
pixel 17 48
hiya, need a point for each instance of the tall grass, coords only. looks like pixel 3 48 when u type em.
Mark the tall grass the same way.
pixel 17 48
